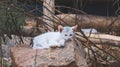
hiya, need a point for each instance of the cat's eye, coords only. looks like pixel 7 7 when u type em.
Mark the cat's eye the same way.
pixel 70 34
pixel 65 34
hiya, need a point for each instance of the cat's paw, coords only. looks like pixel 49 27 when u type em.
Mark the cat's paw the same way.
pixel 37 47
pixel 54 46
pixel 62 43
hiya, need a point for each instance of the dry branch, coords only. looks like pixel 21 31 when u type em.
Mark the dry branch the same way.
pixel 100 39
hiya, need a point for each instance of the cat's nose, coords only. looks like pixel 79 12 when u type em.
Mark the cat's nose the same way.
pixel 69 39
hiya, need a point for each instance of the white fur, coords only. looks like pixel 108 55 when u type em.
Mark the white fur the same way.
pixel 90 30
pixel 48 39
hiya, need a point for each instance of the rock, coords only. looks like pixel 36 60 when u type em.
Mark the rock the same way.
pixel 68 56
pixel 7 43
pixel 5 51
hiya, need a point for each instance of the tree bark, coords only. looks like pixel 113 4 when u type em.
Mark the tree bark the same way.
pixel 100 23
pixel 103 39
pixel 48 11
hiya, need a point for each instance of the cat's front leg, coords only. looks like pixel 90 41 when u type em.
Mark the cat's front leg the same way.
pixel 37 47
pixel 62 42
pixel 54 44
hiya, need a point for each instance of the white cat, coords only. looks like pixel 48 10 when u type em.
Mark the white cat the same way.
pixel 51 39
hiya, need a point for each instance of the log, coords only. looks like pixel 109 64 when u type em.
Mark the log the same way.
pixel 100 23
pixel 105 39
pixel 68 56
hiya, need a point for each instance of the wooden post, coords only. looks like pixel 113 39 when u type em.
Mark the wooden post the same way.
pixel 48 11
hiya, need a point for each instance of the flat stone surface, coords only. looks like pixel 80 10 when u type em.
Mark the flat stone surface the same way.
pixel 24 56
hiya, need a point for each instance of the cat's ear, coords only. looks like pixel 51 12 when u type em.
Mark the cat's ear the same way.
pixel 74 28
pixel 60 28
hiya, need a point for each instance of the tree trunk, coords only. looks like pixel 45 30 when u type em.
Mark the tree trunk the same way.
pixel 48 11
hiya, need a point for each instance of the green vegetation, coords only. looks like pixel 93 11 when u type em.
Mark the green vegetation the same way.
pixel 10 18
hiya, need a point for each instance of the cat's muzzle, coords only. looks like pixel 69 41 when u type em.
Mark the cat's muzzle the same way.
pixel 69 39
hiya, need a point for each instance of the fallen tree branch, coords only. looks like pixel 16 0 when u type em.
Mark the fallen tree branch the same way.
pixel 101 23
pixel 100 39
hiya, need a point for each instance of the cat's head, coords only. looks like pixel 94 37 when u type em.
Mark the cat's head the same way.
pixel 67 32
